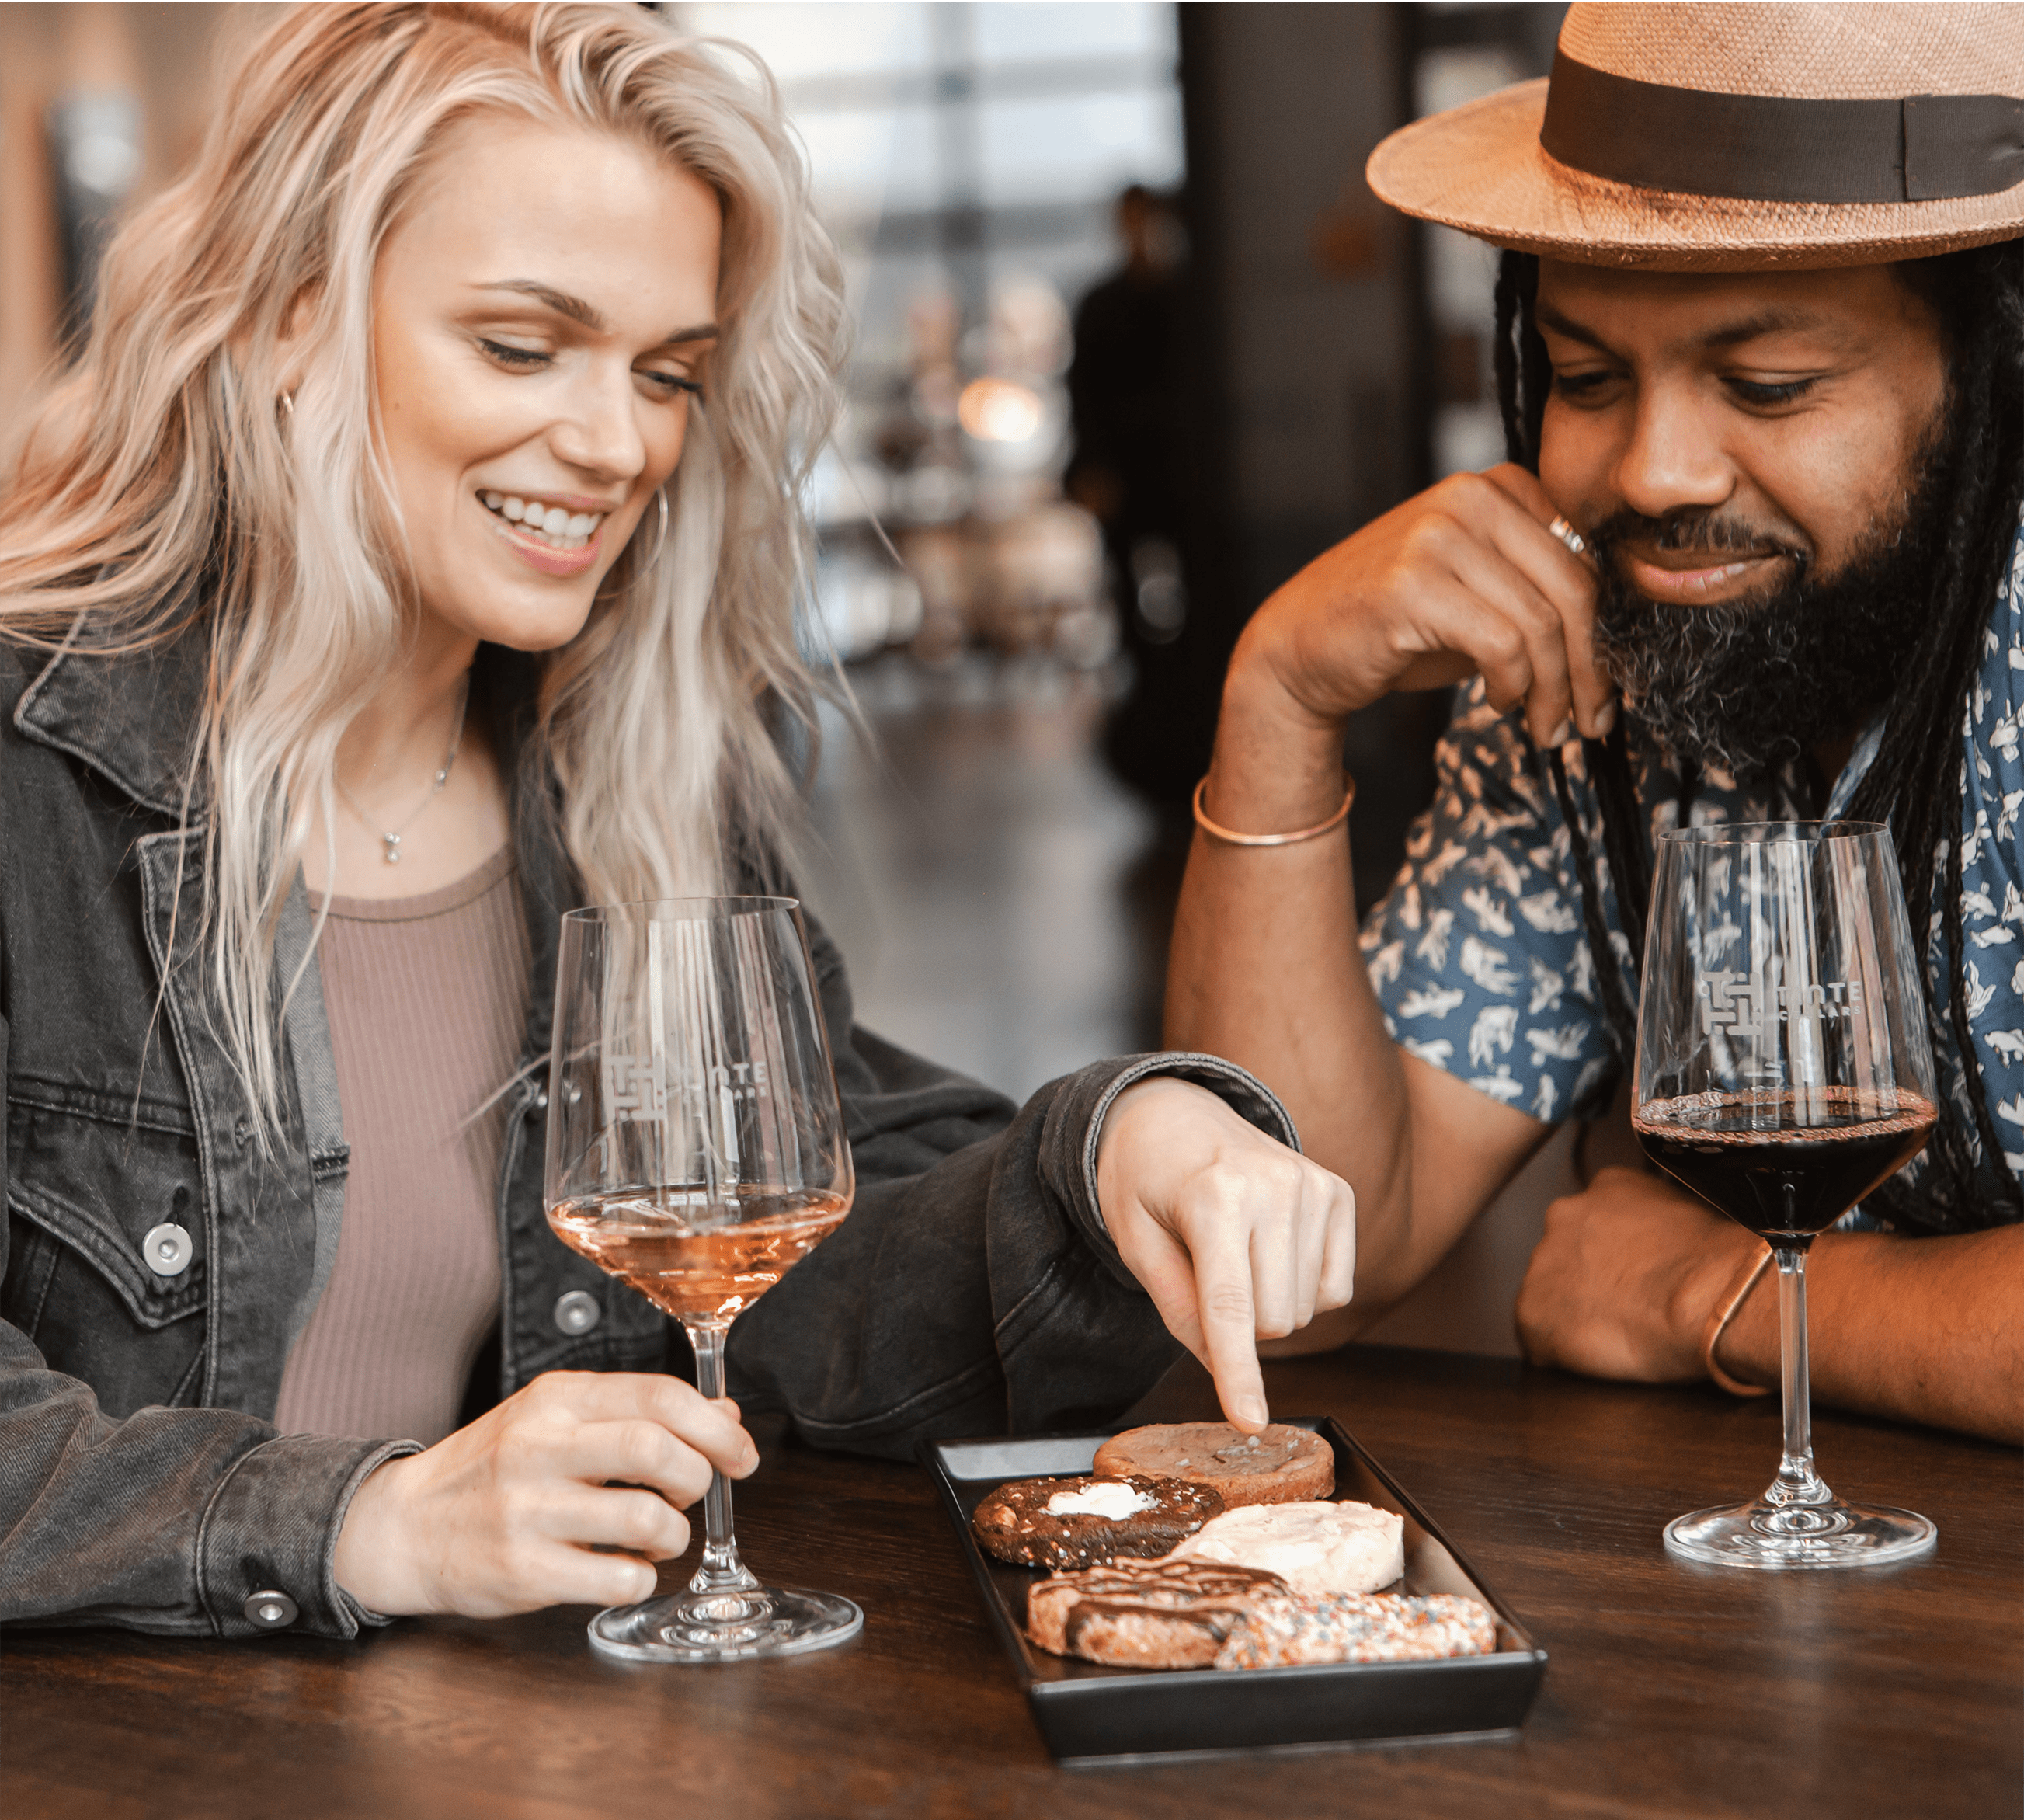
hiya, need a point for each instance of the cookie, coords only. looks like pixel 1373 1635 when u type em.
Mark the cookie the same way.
pixel 1313 1548
pixel 1284 1631
pixel 1282 1465
pixel 1071 1523
pixel 1145 1614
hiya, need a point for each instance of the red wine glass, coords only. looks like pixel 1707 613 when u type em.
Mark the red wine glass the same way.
pixel 1783 1072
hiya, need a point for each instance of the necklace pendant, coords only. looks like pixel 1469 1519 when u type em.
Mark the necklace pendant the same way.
pixel 392 853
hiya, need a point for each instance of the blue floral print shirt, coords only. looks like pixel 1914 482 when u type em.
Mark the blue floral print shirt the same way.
pixel 1480 960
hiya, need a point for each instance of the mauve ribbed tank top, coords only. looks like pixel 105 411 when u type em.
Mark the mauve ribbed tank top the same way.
pixel 427 998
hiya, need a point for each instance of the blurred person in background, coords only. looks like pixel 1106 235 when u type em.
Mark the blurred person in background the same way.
pixel 413 554
pixel 1130 468
pixel 1761 370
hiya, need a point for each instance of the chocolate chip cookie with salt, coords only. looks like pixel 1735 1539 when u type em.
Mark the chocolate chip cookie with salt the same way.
pixel 1072 1523
pixel 1282 1465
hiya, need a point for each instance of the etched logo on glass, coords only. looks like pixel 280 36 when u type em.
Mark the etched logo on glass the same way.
pixel 1750 1006
pixel 637 1087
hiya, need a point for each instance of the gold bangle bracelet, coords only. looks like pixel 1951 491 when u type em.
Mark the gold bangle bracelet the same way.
pixel 1285 840
pixel 1718 1325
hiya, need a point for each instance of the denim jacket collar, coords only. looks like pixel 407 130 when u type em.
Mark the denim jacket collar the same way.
pixel 131 716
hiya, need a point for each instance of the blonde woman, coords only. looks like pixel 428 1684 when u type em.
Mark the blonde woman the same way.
pixel 412 555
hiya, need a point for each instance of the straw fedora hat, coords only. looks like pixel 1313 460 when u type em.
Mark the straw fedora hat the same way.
pixel 1728 137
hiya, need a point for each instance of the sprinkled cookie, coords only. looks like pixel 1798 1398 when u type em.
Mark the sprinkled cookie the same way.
pixel 1282 1465
pixel 1286 1630
pixel 1072 1523
pixel 1145 1614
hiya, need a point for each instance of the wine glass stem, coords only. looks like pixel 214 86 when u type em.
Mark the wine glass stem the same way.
pixel 722 1570
pixel 1798 1487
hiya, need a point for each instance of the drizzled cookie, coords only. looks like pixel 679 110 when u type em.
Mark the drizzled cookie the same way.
pixel 1145 1614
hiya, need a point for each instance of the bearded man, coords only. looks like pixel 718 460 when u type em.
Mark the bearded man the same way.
pixel 1755 555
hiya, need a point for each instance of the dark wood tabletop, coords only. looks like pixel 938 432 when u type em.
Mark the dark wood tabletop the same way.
pixel 1672 1690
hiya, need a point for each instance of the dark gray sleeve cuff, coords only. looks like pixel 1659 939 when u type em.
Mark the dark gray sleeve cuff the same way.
pixel 272 1527
pixel 1075 1126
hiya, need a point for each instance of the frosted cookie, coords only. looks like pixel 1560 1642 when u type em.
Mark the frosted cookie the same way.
pixel 1145 1614
pixel 1313 1548
pixel 1287 1630
pixel 1073 1523
pixel 1282 1465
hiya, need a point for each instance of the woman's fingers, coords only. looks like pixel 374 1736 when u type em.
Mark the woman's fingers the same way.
pixel 632 1452
pixel 1167 1274
pixel 1338 1274
pixel 556 1574
pixel 711 1429
pixel 1227 1311
pixel 1311 1244
pixel 1233 1234
pixel 641 1522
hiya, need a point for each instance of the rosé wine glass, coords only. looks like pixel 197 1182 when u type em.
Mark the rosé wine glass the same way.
pixel 696 1151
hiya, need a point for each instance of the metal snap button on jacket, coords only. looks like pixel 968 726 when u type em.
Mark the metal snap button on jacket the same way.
pixel 578 1312
pixel 167 1249
pixel 271 1611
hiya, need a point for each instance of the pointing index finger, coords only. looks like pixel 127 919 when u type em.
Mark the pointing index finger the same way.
pixel 1229 1319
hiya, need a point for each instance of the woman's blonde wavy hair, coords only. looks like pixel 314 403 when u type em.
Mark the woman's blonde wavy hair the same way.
pixel 160 486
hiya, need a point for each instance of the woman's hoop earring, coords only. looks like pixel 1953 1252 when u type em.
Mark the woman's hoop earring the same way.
pixel 289 403
pixel 661 537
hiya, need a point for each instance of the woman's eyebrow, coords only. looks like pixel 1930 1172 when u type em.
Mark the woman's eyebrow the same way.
pixel 588 314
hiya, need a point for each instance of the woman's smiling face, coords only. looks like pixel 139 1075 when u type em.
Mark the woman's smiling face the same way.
pixel 542 317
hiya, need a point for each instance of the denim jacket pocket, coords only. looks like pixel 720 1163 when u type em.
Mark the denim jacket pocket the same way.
pixel 96 1191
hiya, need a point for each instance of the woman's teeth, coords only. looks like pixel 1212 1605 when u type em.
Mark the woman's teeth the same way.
pixel 559 529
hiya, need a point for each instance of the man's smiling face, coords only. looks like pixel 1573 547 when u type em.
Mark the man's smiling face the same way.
pixel 1754 457
pixel 1776 412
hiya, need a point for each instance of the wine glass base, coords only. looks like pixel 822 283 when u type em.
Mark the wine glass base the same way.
pixel 1836 1535
pixel 734 1627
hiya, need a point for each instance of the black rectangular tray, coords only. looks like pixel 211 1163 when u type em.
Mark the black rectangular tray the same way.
pixel 1087 1712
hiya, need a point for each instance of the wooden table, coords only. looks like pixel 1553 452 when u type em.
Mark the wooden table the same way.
pixel 1672 1690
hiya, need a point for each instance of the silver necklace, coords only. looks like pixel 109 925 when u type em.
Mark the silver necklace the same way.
pixel 390 839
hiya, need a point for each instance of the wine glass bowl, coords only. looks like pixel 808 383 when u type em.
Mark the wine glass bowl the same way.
pixel 1783 1071
pixel 696 1151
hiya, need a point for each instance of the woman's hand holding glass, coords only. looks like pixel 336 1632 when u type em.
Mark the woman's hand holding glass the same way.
pixel 1236 1237
pixel 504 1516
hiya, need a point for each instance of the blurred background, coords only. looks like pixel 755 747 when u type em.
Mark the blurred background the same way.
pixel 1134 342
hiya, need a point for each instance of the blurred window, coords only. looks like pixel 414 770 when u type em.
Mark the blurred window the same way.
pixel 920 119
pixel 1457 54
pixel 968 158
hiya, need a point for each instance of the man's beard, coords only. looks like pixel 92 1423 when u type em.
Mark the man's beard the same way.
pixel 1749 685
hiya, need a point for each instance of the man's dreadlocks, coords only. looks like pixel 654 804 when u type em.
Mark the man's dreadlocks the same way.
pixel 1916 782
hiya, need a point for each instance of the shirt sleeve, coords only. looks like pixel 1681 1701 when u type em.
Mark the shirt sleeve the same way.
pixel 1477 953
pixel 975 1288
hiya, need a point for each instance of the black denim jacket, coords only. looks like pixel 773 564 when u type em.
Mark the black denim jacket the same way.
pixel 972 1289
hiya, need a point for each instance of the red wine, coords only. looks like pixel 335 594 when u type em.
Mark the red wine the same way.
pixel 1786 1164
pixel 680 1253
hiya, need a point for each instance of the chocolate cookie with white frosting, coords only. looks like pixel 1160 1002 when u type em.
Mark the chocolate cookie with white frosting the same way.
pixel 1073 1523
